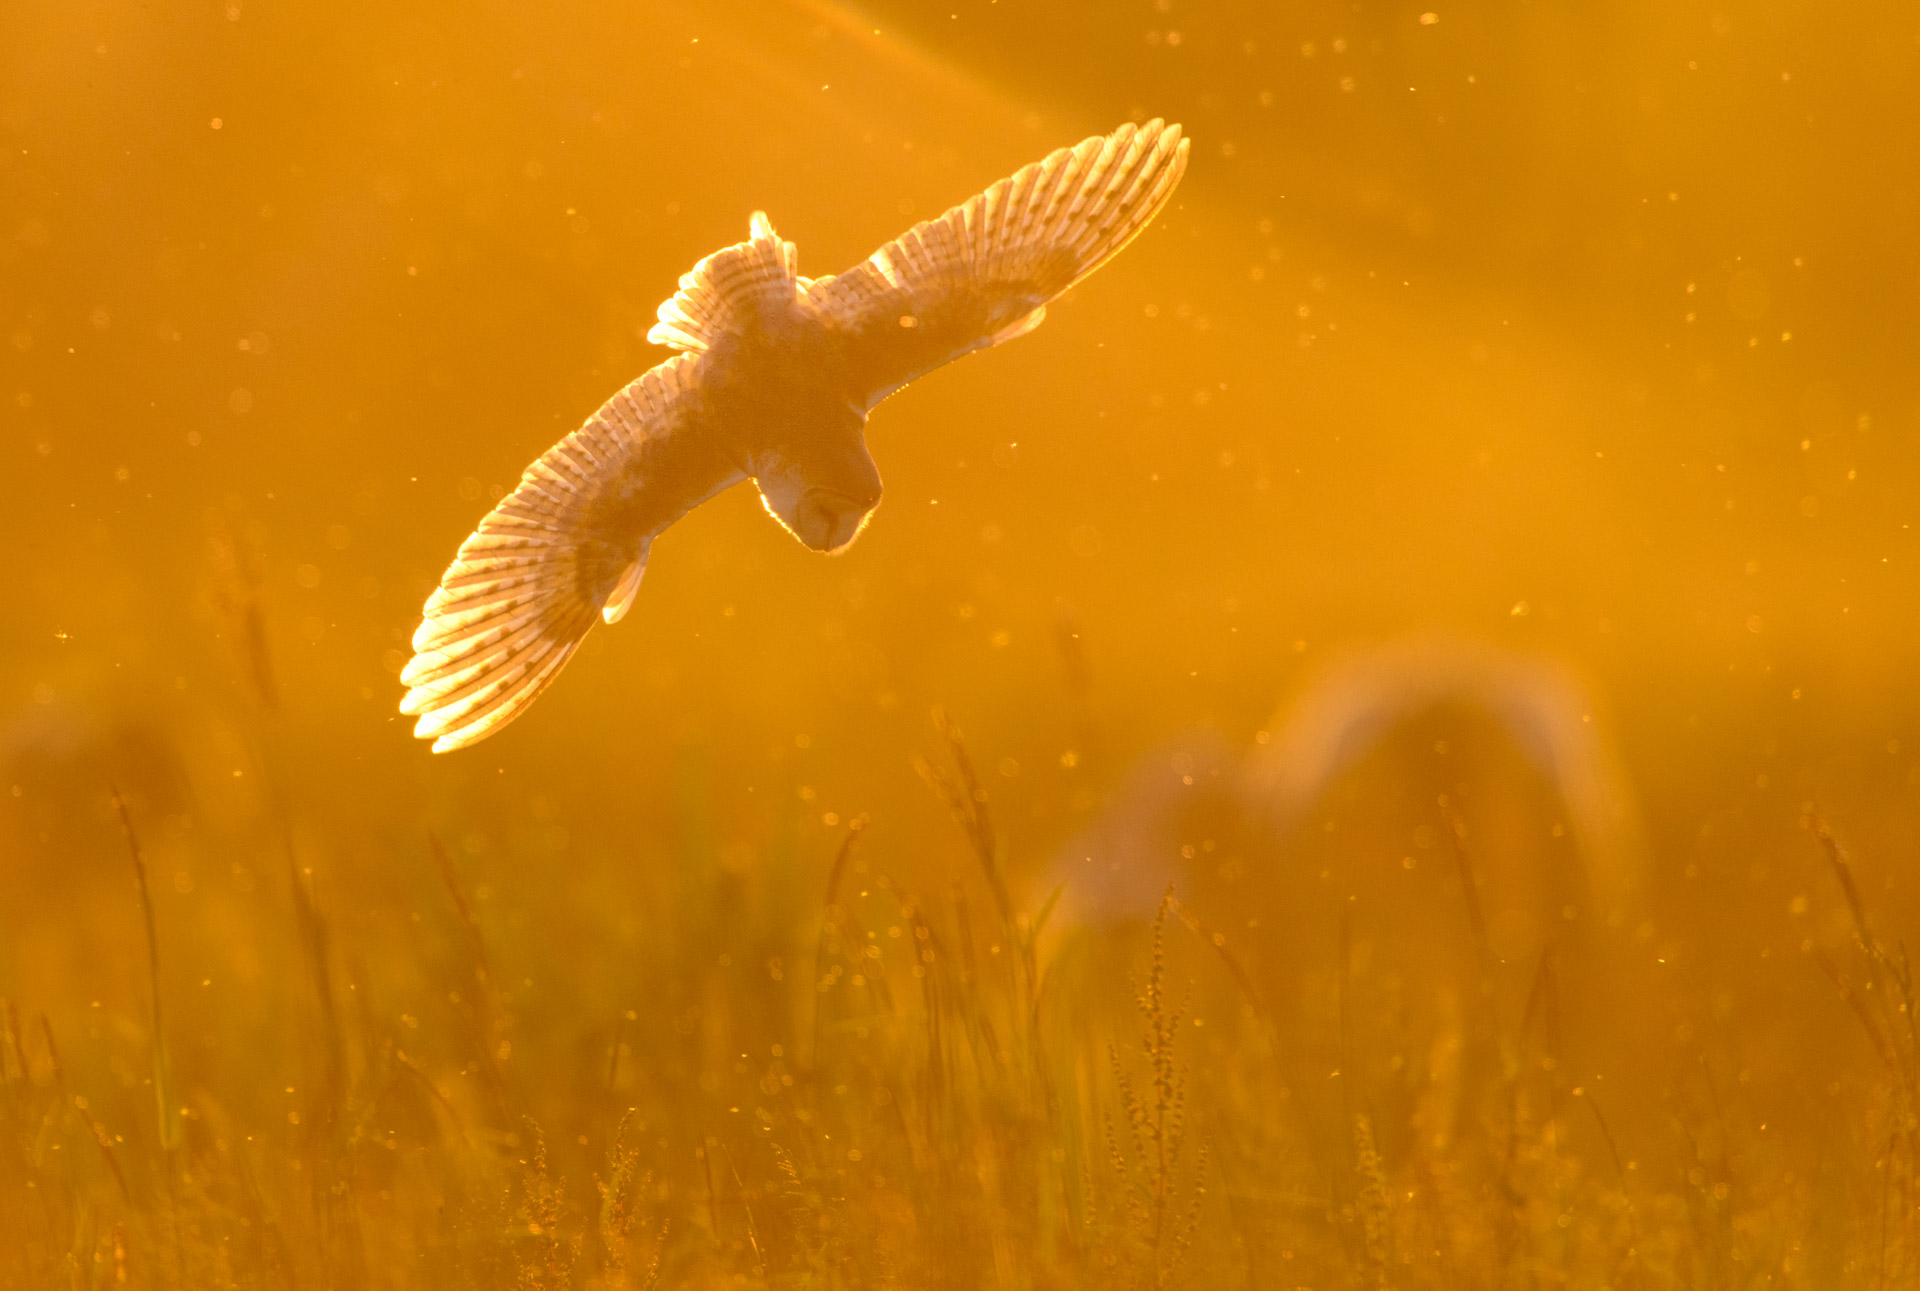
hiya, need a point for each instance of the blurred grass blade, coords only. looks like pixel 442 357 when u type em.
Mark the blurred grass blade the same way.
pixel 167 1106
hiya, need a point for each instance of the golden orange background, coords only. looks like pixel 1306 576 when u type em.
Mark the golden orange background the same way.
pixel 1585 333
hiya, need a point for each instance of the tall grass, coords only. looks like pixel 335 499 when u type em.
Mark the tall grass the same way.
pixel 912 1077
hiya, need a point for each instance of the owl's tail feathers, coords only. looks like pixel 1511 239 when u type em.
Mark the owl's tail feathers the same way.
pixel 510 611
pixel 728 289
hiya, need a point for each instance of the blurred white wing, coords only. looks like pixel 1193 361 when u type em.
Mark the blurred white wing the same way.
pixel 983 272
pixel 565 549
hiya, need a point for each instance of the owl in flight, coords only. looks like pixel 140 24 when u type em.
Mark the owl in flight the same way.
pixel 774 379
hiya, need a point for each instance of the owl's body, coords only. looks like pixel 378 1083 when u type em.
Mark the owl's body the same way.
pixel 767 396
pixel 783 398
pixel 776 378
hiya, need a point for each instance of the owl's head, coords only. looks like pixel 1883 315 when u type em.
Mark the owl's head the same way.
pixel 821 491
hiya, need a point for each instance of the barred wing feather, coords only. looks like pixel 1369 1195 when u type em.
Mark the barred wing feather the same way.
pixel 730 290
pixel 983 272
pixel 563 550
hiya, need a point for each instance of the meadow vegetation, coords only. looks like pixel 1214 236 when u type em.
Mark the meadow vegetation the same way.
pixel 866 1068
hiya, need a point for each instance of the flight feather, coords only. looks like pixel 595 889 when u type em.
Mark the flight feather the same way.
pixel 983 272
pixel 563 550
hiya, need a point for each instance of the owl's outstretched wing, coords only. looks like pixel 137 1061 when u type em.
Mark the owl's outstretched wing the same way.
pixel 983 272
pixel 564 550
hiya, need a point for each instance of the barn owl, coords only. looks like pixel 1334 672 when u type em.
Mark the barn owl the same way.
pixel 773 381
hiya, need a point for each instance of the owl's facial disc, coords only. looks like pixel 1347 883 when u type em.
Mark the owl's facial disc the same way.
pixel 821 488
pixel 824 519
pixel 829 521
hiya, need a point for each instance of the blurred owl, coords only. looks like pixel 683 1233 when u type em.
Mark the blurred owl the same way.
pixel 775 379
